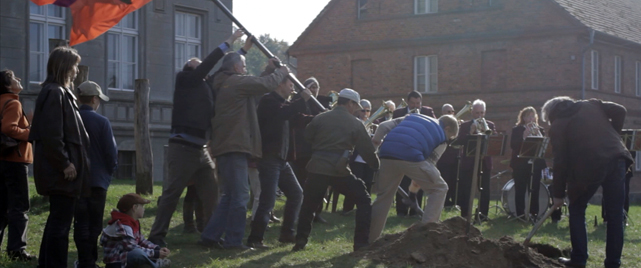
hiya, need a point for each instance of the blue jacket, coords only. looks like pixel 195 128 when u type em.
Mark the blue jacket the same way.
pixel 413 139
pixel 103 154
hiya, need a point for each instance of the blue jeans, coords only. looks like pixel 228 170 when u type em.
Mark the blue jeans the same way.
pixel 613 191
pixel 138 258
pixel 229 217
pixel 276 173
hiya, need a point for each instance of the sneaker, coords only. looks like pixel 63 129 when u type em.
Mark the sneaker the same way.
pixel 20 255
pixel 258 245
pixel 161 263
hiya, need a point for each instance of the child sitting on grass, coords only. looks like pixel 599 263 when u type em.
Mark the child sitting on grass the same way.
pixel 123 243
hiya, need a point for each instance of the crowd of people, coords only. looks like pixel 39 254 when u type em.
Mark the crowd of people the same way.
pixel 267 137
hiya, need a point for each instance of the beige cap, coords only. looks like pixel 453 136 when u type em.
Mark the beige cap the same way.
pixel 351 94
pixel 90 88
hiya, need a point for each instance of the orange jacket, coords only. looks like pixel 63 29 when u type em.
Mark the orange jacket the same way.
pixel 15 125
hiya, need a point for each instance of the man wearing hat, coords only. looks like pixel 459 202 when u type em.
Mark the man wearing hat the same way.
pixel 103 157
pixel 333 136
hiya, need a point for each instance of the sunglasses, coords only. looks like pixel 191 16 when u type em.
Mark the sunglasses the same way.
pixel 365 111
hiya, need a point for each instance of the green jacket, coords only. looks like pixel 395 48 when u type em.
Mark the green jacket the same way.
pixel 334 133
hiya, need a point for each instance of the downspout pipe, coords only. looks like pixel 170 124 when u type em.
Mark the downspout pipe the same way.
pixel 585 50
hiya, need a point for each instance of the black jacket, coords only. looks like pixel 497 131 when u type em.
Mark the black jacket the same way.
pixel 59 138
pixel 274 114
pixel 194 99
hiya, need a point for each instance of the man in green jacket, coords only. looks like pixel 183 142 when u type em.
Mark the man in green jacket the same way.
pixel 333 136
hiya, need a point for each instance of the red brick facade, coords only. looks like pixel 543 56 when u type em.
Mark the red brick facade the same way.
pixel 510 53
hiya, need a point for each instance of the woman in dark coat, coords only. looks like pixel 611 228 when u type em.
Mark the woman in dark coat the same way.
pixel 526 125
pixel 60 164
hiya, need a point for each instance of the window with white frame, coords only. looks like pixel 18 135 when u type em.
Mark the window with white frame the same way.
pixel 618 67
pixel 45 22
pixel 122 53
pixel 595 69
pixel 362 9
pixel 188 41
pixel 426 74
pixel 425 6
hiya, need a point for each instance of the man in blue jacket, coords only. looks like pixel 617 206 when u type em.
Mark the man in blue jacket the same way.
pixel 103 157
pixel 412 146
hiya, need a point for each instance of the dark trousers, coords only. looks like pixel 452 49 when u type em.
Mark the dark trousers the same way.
pixel 299 166
pixel 313 193
pixel 401 208
pixel 275 173
pixel 614 191
pixel 465 186
pixel 14 204
pixel 186 164
pixel 449 172
pixel 191 204
pixel 366 174
pixel 523 179
pixel 55 239
pixel 88 226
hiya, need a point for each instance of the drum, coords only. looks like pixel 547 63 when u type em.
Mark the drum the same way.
pixel 508 198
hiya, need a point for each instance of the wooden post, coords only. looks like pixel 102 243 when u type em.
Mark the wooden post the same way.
pixel 83 75
pixel 54 43
pixel 144 156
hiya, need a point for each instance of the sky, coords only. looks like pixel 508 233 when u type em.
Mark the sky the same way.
pixel 281 19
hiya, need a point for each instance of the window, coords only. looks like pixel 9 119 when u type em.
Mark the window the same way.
pixel 126 165
pixel 362 9
pixel 637 161
pixel 188 38
pixel 426 74
pixel 617 74
pixel 425 6
pixel 638 78
pixel 122 53
pixel 45 22
pixel 595 69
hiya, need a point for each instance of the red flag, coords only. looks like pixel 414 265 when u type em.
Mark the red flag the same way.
pixel 62 3
pixel 91 18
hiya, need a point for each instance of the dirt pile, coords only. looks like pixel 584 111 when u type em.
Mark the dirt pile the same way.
pixel 446 245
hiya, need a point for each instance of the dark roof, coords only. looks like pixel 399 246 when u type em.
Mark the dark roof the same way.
pixel 619 18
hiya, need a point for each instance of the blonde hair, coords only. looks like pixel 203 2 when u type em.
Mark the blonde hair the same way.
pixel 524 112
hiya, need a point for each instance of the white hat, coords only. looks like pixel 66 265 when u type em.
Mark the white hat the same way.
pixel 366 104
pixel 350 94
pixel 90 88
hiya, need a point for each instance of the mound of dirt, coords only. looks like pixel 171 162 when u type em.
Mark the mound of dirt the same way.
pixel 445 244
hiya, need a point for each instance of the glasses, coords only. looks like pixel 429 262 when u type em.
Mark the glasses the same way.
pixel 449 112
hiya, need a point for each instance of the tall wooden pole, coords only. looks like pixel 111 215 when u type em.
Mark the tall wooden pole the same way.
pixel 144 156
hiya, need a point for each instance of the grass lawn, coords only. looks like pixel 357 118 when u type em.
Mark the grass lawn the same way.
pixel 330 244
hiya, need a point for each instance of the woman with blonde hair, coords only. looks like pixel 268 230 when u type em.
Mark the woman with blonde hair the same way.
pixel 60 166
pixel 522 172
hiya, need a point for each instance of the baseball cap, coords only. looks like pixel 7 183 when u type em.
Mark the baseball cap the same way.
pixel 90 88
pixel 350 94
pixel 128 201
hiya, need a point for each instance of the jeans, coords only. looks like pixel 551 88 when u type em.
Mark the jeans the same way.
pixel 229 217
pixel 138 258
pixel 613 184
pixel 314 191
pixel 88 226
pixel 14 204
pixel 55 239
pixel 276 173
pixel 186 164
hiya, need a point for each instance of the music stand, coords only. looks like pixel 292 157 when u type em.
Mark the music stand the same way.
pixel 475 145
pixel 532 148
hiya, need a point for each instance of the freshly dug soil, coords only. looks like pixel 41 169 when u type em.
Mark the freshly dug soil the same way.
pixel 445 244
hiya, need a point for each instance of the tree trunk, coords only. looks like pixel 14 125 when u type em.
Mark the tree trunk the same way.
pixel 144 157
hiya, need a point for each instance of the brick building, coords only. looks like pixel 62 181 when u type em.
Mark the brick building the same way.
pixel 510 53
pixel 153 42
